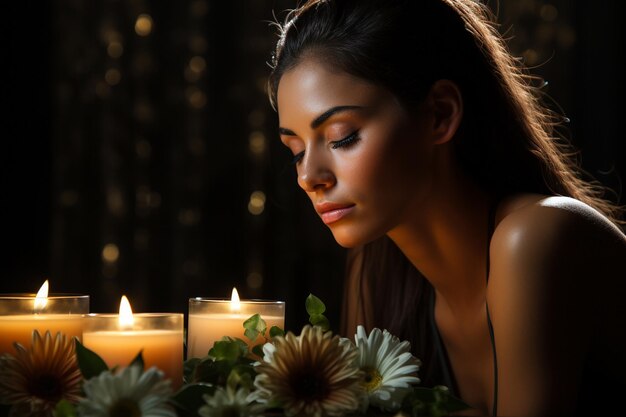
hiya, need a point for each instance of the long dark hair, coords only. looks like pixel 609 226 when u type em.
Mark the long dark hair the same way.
pixel 506 142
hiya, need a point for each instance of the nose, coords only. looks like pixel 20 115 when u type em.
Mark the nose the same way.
pixel 314 173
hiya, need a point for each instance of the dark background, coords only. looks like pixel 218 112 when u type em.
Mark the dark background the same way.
pixel 149 165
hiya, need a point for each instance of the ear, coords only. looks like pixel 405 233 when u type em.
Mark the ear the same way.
pixel 446 105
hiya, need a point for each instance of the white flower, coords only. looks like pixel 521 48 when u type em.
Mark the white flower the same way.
pixel 229 403
pixel 129 392
pixel 389 367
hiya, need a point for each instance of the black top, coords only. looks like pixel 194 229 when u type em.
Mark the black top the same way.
pixel 440 351
pixel 600 391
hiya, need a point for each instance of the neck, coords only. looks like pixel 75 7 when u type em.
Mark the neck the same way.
pixel 445 238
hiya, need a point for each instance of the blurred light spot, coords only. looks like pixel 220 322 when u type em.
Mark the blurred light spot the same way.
pixel 526 6
pixel 115 201
pixel 544 33
pixel 146 199
pixel 109 35
pixel 199 8
pixel 143 25
pixel 115 49
pixel 548 12
pixel 110 253
pixel 256 118
pixel 254 280
pixel 68 198
pixel 531 57
pixel 189 217
pixel 197 146
pixel 566 37
pixel 192 76
pixel 197 64
pixel 257 142
pixel 198 44
pixel 257 203
pixel 197 99
pixel 103 90
pixel 143 149
pixel 143 111
pixel 113 76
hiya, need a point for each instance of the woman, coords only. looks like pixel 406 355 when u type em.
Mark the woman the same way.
pixel 425 149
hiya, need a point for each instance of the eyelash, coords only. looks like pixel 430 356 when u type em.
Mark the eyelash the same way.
pixel 348 141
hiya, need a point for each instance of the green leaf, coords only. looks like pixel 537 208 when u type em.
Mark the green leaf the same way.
pixel 189 368
pixel 213 372
pixel 314 306
pixel 320 320
pixel 189 398
pixel 89 362
pixel 434 402
pixel 138 361
pixel 64 409
pixel 276 331
pixel 241 375
pixel 251 334
pixel 228 350
pixel 254 325
pixel 258 350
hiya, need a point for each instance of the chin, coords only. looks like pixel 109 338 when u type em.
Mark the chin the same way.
pixel 349 238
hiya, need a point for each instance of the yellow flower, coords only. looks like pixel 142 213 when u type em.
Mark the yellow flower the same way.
pixel 34 380
pixel 310 375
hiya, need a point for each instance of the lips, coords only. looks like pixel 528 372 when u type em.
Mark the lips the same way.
pixel 332 212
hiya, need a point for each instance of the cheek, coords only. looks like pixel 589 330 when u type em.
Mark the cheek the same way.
pixel 394 170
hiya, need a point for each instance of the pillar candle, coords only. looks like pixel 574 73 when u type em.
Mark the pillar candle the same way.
pixel 211 319
pixel 159 336
pixel 20 314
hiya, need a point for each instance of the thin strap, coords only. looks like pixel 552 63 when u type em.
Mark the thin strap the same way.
pixel 441 352
pixel 490 227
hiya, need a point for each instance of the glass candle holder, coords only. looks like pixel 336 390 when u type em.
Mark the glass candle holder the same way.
pixel 159 336
pixel 20 314
pixel 210 319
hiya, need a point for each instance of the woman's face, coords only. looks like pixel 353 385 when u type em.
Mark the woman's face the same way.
pixel 362 159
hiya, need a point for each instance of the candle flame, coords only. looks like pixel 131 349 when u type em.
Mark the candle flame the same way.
pixel 41 299
pixel 235 303
pixel 126 319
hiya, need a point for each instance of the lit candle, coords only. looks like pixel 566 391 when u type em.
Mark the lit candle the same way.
pixel 211 319
pixel 20 314
pixel 118 338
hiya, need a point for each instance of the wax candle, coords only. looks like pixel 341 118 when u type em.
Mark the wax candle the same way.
pixel 118 338
pixel 211 319
pixel 20 314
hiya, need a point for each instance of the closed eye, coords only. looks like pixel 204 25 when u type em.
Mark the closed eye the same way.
pixel 347 141
pixel 297 157
pixel 343 143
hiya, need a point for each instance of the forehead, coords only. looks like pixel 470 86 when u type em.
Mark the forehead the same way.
pixel 310 88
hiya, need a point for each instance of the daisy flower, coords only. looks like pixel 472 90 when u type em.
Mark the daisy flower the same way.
pixel 129 393
pixel 389 367
pixel 36 379
pixel 229 403
pixel 309 375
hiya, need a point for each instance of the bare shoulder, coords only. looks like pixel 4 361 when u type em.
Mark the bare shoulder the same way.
pixel 535 227
pixel 556 280
pixel 553 243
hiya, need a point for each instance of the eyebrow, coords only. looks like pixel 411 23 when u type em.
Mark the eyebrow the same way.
pixel 321 118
